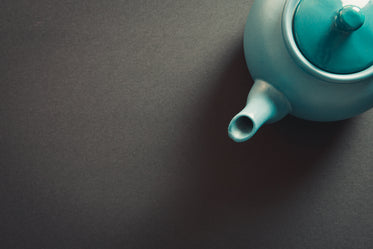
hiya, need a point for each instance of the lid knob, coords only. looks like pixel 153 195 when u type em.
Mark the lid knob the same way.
pixel 350 18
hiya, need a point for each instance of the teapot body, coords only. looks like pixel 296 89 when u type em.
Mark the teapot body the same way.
pixel 269 58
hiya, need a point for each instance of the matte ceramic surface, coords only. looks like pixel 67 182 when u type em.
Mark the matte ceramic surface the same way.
pixel 273 56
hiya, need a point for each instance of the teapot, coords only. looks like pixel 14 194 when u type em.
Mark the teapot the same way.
pixel 312 59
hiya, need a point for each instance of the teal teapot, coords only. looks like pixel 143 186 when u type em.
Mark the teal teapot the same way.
pixel 309 58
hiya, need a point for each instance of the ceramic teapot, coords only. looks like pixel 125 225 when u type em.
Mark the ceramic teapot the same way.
pixel 309 58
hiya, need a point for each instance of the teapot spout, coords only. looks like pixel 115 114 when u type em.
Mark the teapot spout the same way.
pixel 265 104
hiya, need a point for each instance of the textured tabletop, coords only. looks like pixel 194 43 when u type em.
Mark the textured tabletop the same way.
pixel 113 134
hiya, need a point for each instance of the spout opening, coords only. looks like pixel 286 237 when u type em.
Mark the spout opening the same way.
pixel 241 128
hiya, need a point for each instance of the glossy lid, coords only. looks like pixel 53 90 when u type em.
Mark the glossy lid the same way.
pixel 335 35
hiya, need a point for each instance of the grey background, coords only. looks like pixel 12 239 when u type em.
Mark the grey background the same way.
pixel 113 135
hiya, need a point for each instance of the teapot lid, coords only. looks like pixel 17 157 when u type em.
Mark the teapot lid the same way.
pixel 335 35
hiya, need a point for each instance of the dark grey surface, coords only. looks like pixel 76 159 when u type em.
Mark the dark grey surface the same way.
pixel 113 135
